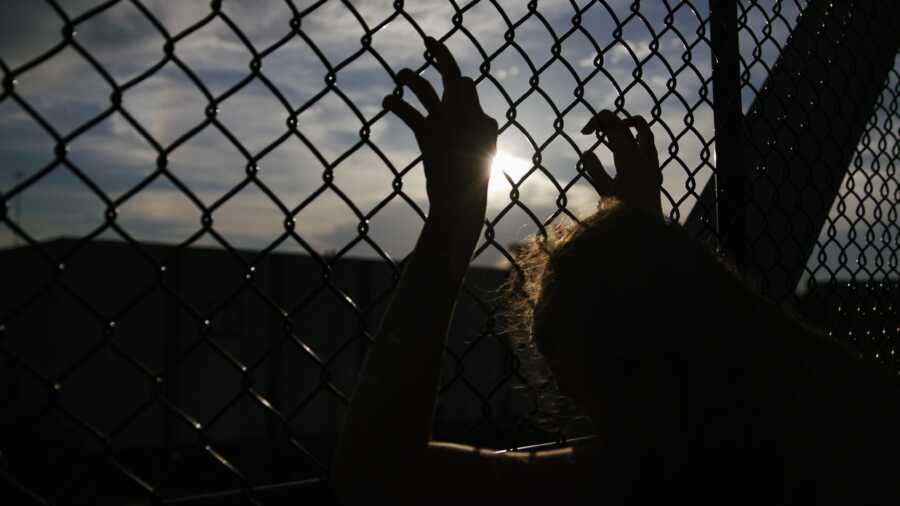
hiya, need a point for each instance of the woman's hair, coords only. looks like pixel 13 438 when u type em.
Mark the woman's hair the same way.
pixel 704 381
pixel 649 301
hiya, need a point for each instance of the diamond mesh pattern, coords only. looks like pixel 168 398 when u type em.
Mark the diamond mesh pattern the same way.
pixel 288 385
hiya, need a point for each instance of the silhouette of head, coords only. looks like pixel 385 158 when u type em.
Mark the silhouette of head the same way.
pixel 628 312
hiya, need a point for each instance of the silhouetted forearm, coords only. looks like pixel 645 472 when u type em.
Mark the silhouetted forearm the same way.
pixel 390 418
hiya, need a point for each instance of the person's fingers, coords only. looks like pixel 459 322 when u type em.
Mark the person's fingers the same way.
pixel 620 139
pixel 597 120
pixel 446 65
pixel 590 126
pixel 404 111
pixel 421 88
pixel 467 96
pixel 492 125
pixel 597 176
pixel 644 137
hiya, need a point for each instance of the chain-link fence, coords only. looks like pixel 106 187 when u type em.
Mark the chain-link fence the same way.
pixel 205 208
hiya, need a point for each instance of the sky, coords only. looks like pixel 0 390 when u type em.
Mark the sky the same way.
pixel 113 154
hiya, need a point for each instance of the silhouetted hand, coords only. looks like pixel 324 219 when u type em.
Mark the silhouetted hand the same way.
pixel 456 137
pixel 638 176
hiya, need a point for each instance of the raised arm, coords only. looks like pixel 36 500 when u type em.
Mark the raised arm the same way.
pixel 385 448
pixel 388 427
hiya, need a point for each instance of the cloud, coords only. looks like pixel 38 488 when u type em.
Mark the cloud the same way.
pixel 633 51
pixel 69 92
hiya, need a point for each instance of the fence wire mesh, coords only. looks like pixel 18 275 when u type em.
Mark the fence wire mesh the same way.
pixel 219 366
pixel 835 213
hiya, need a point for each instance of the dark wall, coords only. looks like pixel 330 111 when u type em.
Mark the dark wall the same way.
pixel 111 321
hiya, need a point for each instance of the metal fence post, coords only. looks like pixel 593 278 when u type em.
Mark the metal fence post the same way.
pixel 729 177
pixel 802 130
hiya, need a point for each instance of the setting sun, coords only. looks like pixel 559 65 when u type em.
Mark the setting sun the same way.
pixel 504 163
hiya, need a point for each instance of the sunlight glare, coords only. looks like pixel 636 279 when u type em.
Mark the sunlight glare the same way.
pixel 506 163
